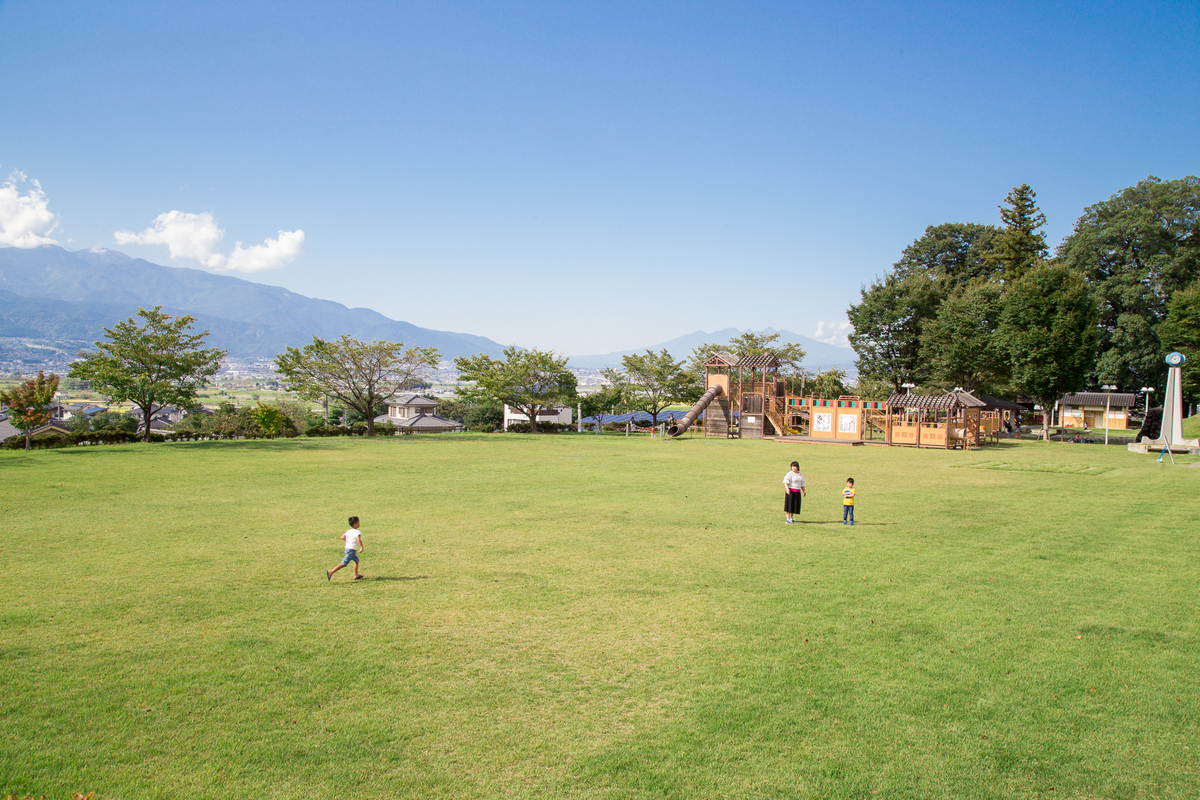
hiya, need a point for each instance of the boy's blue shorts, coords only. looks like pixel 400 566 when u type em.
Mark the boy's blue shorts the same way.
pixel 350 556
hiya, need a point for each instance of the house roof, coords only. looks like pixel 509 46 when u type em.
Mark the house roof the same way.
pixel 429 423
pixel 1115 400
pixel 411 400
pixel 53 426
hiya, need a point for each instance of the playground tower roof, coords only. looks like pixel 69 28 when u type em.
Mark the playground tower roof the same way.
pixel 763 361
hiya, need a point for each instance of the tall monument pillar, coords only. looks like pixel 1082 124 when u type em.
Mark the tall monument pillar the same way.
pixel 1171 433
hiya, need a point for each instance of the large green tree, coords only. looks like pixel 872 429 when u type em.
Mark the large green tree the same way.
pixel 361 375
pixel 651 381
pixel 157 363
pixel 961 346
pixel 1180 331
pixel 1048 327
pixel 952 255
pixel 1138 248
pixel 888 325
pixel 29 402
pixel 531 381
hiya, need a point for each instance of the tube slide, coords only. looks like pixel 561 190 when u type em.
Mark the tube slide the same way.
pixel 690 417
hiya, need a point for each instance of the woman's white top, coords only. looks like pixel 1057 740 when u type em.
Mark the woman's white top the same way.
pixel 793 480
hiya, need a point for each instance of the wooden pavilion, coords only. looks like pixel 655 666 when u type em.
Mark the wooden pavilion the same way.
pixel 954 419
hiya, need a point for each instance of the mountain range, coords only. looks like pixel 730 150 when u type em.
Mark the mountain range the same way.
pixel 71 296
pixel 68 298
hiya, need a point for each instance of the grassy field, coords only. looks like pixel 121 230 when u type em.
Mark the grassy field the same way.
pixel 598 617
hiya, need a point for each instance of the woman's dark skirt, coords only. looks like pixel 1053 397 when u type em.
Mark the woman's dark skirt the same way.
pixel 791 502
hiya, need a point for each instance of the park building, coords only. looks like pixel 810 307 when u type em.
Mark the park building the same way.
pixel 1089 409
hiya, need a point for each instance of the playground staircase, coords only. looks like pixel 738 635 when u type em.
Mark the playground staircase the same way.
pixel 776 420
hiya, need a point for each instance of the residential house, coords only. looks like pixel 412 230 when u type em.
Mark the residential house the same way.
pixel 416 413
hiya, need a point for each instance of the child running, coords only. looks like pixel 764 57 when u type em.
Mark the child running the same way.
pixel 848 502
pixel 354 546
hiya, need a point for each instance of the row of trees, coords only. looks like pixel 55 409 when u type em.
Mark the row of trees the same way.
pixel 986 307
pixel 160 362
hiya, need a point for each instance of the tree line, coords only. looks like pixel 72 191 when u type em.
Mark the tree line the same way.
pixel 987 308
pixel 159 361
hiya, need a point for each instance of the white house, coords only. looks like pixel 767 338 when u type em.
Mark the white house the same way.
pixel 558 416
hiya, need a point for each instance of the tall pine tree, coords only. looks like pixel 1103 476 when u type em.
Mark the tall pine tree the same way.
pixel 1021 244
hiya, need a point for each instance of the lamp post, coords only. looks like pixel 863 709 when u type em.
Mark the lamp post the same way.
pixel 1107 402
pixel 1147 390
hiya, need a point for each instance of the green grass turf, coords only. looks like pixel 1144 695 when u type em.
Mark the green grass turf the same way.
pixel 1191 427
pixel 598 617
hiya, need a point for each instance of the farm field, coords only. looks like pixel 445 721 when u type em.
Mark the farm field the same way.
pixel 598 617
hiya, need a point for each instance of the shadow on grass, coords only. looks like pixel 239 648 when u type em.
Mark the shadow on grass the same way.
pixel 224 444
pixel 398 578
pixel 838 522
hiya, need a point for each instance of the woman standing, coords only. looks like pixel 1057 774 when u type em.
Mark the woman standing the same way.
pixel 793 487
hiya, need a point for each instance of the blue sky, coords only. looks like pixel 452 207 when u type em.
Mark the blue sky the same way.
pixel 578 177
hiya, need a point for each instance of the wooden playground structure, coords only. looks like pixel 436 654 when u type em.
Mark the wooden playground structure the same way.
pixel 746 398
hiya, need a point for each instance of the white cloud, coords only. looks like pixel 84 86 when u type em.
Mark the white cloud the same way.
pixel 271 254
pixel 833 332
pixel 25 220
pixel 196 237
pixel 191 236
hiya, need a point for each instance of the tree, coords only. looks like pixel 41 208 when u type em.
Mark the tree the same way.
pixel 1138 248
pixel 269 418
pixel 1048 327
pixel 1021 245
pixel 360 375
pixel 828 383
pixel 600 404
pixel 452 409
pixel 888 325
pixel 156 364
pixel 531 381
pixel 1181 331
pixel 486 418
pixel 746 345
pixel 952 255
pixel 961 345
pixel 29 403
pixel 651 382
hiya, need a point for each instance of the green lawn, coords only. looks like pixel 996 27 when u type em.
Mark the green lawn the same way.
pixel 1191 427
pixel 598 617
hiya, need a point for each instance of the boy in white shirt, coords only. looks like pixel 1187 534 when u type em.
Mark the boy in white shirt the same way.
pixel 354 546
